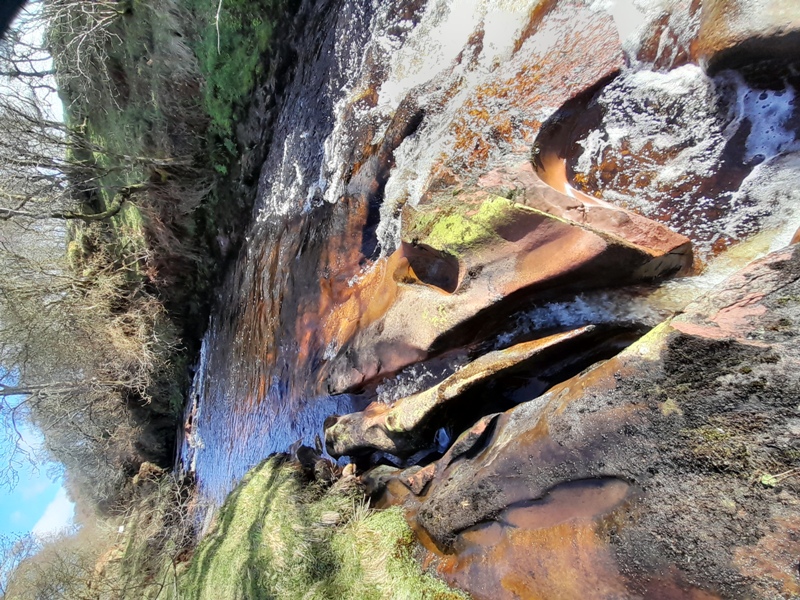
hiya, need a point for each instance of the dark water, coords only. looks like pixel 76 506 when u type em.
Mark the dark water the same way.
pixel 257 389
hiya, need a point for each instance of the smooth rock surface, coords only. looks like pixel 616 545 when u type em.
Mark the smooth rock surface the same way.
pixel 494 254
pixel 408 425
pixel 668 471
pixel 735 33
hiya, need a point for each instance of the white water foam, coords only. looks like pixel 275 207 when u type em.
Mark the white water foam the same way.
pixel 416 378
pixel 691 119
pixel 590 308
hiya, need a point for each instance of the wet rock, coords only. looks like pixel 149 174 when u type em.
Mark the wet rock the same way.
pixel 734 33
pixel 547 189
pixel 495 254
pixel 408 425
pixel 678 439
pixel 378 112
pixel 665 41
pixel 701 155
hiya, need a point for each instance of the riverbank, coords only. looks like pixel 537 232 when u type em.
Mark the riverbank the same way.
pixel 153 93
pixel 159 112
pixel 497 276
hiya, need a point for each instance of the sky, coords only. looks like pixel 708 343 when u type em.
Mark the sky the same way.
pixel 38 504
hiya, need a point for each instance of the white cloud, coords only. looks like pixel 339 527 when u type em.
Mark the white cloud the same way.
pixel 57 516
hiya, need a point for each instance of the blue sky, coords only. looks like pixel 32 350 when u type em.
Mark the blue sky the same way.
pixel 38 503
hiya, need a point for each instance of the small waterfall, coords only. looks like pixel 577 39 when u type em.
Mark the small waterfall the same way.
pixel 391 102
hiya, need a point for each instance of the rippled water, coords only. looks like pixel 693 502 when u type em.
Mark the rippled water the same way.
pixel 384 95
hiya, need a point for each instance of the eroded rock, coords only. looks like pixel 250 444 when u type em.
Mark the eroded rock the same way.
pixel 711 158
pixel 685 443
pixel 495 254
pixel 734 33
pixel 408 425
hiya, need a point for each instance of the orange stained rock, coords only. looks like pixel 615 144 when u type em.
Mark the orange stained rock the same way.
pixel 734 317
pixel 562 562
pixel 757 29
pixel 534 21
pixel 554 174
pixel 558 250
pixel 503 115
pixel 775 556
pixel 652 236
pixel 332 315
pixel 356 306
pixel 796 237
pixel 550 549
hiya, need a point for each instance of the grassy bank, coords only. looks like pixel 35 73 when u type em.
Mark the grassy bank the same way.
pixel 277 538
pixel 232 51
pixel 153 91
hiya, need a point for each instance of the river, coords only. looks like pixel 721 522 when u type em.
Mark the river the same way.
pixel 392 101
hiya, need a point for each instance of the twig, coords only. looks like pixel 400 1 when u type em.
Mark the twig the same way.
pixel 216 22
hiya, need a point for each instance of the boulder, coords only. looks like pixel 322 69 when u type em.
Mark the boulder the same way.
pixel 667 471
pixel 469 260
pixel 735 33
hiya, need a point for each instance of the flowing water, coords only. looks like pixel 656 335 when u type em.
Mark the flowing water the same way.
pixel 390 99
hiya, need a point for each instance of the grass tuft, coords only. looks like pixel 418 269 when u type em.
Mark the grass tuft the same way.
pixel 274 538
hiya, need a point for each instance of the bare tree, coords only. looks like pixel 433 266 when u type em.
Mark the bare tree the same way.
pixel 84 341
pixel 14 550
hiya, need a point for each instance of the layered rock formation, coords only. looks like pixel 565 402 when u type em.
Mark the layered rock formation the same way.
pixel 667 471
pixel 531 170
pixel 468 260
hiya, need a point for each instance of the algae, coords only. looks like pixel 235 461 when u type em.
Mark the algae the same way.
pixel 454 226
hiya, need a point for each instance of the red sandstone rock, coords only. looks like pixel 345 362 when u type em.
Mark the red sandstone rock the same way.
pixel 494 255
pixel 325 291
pixel 408 425
pixel 645 476
pixel 737 32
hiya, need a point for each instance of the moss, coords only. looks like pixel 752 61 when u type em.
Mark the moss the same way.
pixel 274 538
pixel 650 345
pixel 437 317
pixel 457 232
pixel 232 56
pixel 455 226
pixel 722 450
pixel 784 301
pixel 670 407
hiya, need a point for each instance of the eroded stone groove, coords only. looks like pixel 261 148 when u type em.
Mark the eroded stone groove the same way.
pixel 670 419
